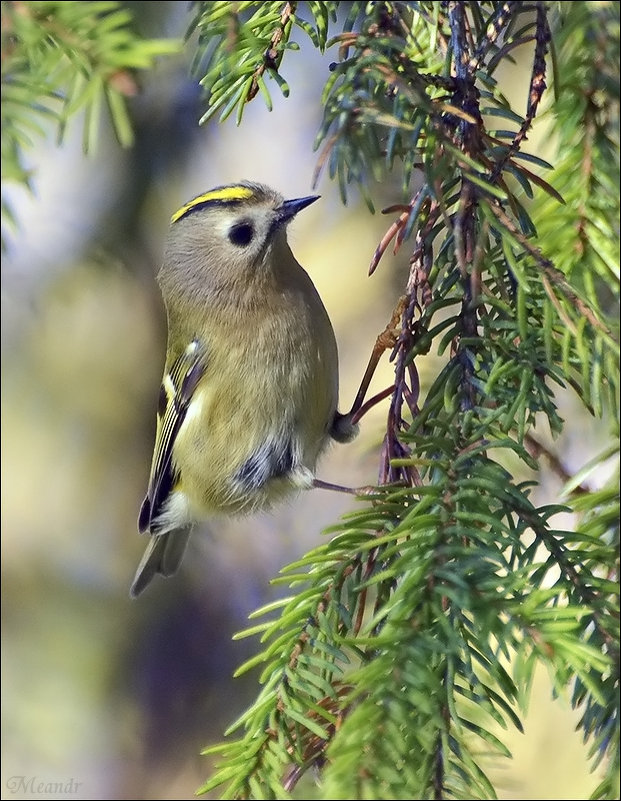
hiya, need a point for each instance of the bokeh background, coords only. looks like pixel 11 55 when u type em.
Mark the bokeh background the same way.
pixel 120 696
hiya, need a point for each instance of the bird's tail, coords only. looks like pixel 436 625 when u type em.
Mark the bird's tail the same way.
pixel 163 555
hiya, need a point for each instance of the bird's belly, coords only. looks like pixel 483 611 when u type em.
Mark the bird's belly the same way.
pixel 247 444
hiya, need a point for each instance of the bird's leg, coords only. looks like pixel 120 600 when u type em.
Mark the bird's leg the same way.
pixel 319 484
pixel 385 341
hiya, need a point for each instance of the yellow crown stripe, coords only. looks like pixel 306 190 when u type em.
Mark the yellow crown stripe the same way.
pixel 226 194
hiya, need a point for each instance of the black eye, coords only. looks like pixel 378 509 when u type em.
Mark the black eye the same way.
pixel 241 234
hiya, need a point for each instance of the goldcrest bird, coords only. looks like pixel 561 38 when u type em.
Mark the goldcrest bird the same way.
pixel 249 396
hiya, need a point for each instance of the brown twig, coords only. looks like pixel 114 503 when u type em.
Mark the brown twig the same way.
pixel 272 57
pixel 495 27
pixel 535 92
pixel 537 449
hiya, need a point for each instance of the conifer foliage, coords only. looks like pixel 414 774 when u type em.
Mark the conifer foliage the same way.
pixel 407 642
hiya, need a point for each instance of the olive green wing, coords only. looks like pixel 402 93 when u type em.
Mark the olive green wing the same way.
pixel 178 386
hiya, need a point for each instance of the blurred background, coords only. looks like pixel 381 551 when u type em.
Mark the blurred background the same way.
pixel 120 696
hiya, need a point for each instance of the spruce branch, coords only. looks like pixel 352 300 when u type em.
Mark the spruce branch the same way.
pixel 411 636
pixel 62 58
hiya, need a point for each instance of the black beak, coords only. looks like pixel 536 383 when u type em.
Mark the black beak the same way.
pixel 290 208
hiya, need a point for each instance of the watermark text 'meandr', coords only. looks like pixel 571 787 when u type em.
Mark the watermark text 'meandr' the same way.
pixel 34 785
